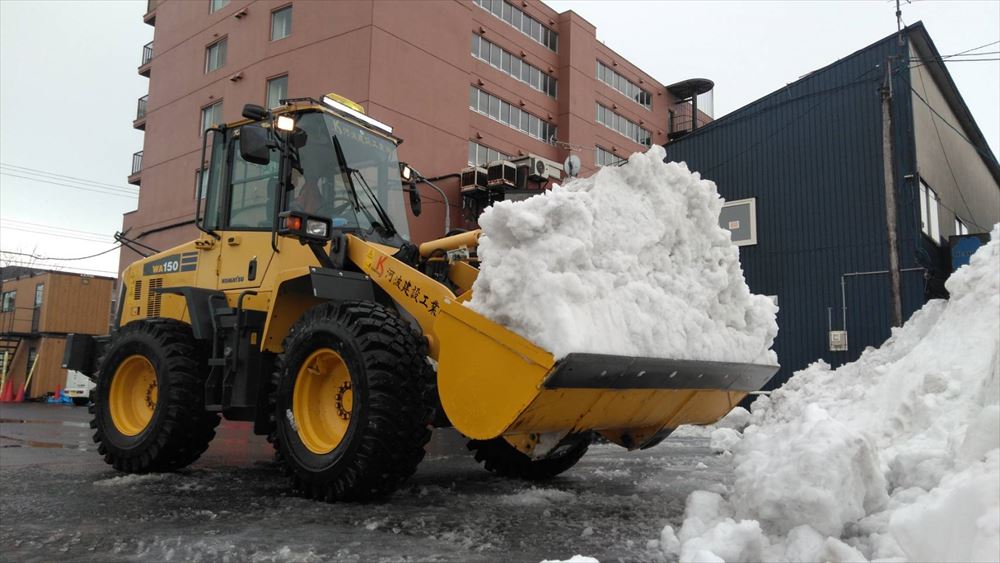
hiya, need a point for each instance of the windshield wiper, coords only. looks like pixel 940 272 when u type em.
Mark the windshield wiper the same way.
pixel 383 216
pixel 349 173
pixel 345 172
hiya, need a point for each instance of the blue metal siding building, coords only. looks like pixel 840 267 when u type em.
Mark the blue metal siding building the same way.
pixel 811 155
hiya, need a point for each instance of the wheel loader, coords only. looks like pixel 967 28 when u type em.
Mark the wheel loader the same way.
pixel 303 308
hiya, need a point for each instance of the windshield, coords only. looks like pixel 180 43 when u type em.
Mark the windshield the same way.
pixel 323 183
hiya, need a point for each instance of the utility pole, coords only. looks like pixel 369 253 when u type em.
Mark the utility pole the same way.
pixel 890 195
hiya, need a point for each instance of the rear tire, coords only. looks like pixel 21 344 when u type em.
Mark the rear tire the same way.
pixel 352 407
pixel 498 456
pixel 149 402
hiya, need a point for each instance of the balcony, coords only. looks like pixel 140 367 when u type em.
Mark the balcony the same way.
pixel 147 59
pixel 150 17
pixel 136 175
pixel 681 125
pixel 140 114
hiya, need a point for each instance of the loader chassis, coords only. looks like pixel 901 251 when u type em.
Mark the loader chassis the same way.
pixel 302 308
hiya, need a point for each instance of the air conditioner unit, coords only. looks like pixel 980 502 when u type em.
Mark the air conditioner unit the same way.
pixel 501 174
pixel 540 169
pixel 474 179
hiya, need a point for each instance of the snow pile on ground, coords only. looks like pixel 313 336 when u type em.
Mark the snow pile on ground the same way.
pixel 893 457
pixel 630 261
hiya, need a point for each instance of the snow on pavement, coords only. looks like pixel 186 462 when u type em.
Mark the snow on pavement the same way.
pixel 629 261
pixel 894 457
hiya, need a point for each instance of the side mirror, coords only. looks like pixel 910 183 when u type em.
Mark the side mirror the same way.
pixel 254 146
pixel 416 206
pixel 255 112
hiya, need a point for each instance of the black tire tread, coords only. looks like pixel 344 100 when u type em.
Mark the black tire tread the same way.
pixel 185 429
pixel 400 382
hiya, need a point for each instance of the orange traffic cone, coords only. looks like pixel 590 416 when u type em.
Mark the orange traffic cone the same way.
pixel 7 393
pixel 20 395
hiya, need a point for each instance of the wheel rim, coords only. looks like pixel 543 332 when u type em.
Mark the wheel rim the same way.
pixel 322 401
pixel 133 395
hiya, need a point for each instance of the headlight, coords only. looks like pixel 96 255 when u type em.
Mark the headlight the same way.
pixel 286 123
pixel 316 228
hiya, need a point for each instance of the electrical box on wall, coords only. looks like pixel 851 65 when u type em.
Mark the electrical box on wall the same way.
pixel 838 340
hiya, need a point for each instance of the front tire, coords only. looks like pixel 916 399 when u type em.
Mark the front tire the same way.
pixel 351 403
pixel 148 405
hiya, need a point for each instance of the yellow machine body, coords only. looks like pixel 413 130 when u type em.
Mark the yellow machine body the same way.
pixel 491 382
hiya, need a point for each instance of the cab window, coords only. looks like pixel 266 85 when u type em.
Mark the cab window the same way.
pixel 253 192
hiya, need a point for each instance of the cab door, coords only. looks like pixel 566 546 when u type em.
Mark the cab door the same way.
pixel 251 194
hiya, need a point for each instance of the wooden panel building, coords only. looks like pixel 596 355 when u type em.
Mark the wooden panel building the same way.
pixel 37 310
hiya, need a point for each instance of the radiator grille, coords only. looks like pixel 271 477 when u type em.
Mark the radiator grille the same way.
pixel 153 298
pixel 137 290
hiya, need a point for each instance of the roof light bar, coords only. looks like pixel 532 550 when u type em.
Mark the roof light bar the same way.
pixel 356 114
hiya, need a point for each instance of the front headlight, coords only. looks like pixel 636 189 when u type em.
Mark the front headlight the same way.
pixel 316 228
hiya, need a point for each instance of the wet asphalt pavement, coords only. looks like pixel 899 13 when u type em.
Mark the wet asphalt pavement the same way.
pixel 60 502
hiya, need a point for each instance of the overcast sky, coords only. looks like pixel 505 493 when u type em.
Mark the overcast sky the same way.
pixel 68 88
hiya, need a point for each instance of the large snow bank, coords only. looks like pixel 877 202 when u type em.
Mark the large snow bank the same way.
pixel 630 261
pixel 895 456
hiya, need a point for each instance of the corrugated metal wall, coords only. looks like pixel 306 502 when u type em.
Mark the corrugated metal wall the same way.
pixel 811 153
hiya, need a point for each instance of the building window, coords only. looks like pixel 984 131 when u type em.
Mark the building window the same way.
pixel 512 65
pixel 277 90
pixel 281 23
pixel 215 55
pixel 32 356
pixel 511 115
pixel 39 293
pixel 739 217
pixel 604 157
pixel 929 213
pixel 8 299
pixel 521 22
pixel 216 5
pixel 630 89
pixel 960 228
pixel 211 115
pixel 480 155
pixel 624 126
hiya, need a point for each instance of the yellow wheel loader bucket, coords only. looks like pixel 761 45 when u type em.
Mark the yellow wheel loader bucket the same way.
pixel 493 382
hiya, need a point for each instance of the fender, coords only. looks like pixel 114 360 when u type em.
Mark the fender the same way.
pixel 300 289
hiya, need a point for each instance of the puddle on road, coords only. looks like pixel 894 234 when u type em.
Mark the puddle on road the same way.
pixel 43 421
pixel 22 443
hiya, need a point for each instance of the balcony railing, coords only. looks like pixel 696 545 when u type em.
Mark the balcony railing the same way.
pixel 683 124
pixel 136 162
pixel 147 53
pixel 140 110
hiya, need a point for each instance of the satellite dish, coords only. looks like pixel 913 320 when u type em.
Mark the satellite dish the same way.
pixel 572 165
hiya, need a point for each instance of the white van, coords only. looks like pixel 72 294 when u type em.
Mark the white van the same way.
pixel 78 387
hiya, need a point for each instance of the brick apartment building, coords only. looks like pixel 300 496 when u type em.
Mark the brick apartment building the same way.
pixel 461 82
pixel 37 310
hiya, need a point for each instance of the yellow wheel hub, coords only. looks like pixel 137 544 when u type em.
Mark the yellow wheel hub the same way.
pixel 322 401
pixel 133 395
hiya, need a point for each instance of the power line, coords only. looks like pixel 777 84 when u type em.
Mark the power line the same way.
pixel 55 234
pixel 988 155
pixel 88 189
pixel 49 259
pixel 19 222
pixel 947 161
pixel 25 169
pixel 972 49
